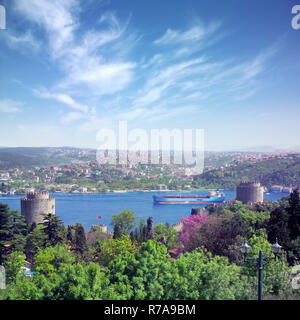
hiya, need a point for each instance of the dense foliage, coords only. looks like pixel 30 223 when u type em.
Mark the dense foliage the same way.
pixel 205 262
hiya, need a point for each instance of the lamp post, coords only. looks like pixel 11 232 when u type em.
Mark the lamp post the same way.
pixel 245 248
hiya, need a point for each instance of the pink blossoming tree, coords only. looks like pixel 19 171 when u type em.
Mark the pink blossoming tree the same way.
pixel 190 226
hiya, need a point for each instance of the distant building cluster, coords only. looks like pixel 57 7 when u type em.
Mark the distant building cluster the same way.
pixel 85 175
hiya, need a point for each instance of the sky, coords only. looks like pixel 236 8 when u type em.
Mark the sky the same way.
pixel 69 68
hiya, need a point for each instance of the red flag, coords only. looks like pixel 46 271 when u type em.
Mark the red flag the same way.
pixel 99 217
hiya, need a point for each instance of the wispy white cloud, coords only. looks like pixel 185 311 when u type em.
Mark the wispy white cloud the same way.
pixel 62 98
pixel 100 78
pixel 177 84
pixel 55 17
pixel 151 95
pixel 196 33
pixel 159 112
pixel 26 39
pixel 79 57
pixel 177 76
pixel 10 106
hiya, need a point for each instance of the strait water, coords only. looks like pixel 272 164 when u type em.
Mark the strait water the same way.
pixel 85 208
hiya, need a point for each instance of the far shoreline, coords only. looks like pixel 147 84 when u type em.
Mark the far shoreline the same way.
pixel 120 191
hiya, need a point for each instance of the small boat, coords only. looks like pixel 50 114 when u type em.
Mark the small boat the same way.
pixel 213 197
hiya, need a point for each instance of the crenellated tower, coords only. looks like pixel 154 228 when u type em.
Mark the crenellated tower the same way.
pixel 250 192
pixel 35 204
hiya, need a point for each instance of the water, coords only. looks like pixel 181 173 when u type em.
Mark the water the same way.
pixel 85 208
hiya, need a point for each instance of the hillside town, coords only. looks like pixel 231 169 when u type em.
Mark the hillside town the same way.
pixel 90 176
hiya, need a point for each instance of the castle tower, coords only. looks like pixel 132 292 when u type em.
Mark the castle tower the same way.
pixel 35 204
pixel 250 192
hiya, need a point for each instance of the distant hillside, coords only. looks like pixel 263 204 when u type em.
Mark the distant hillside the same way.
pixel 31 157
pixel 268 172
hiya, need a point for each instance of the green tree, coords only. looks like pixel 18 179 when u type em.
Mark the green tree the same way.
pixel 143 274
pixel 293 211
pixel 149 228
pixel 198 275
pixel 54 229
pixel 284 224
pixel 13 265
pixel 37 287
pixel 139 233
pixel 42 262
pixel 19 230
pixel 62 256
pixel 294 252
pixel 80 239
pixel 13 231
pixel 276 274
pixel 278 227
pixel 71 282
pixel 50 259
pixel 35 240
pixel 5 228
pixel 70 236
pixel 107 251
pixel 80 283
pixel 123 222
pixel 164 232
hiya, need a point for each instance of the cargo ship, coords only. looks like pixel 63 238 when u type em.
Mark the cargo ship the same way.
pixel 276 189
pixel 213 197
pixel 287 189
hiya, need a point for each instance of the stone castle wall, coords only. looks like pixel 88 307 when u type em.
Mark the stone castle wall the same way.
pixel 250 192
pixel 34 205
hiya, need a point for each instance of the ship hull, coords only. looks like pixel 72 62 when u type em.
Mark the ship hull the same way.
pixel 186 200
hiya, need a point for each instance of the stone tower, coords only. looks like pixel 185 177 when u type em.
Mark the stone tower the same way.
pixel 35 204
pixel 250 192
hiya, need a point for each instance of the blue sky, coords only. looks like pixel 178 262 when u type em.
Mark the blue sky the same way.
pixel 69 68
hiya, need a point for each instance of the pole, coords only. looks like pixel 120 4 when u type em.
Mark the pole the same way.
pixel 260 269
